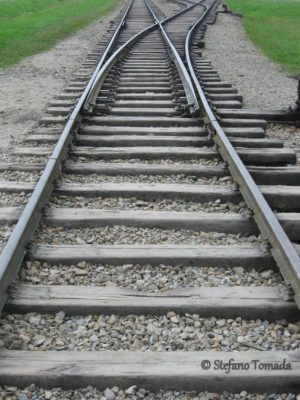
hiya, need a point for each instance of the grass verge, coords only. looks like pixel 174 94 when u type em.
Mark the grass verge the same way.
pixel 28 27
pixel 274 26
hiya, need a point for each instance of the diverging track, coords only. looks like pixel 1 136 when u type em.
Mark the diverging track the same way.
pixel 147 267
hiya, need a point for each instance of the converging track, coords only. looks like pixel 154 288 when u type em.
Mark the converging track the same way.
pixel 147 255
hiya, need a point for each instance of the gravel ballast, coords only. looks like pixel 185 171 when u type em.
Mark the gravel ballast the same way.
pixel 19 176
pixel 120 234
pixel 132 203
pixel 260 81
pixel 33 392
pixel 169 332
pixel 145 278
pixel 5 232
pixel 131 393
pixel 162 161
pixel 290 135
pixel 176 179
pixel 27 159
pixel 13 199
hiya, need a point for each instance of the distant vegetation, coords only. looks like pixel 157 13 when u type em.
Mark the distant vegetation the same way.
pixel 31 26
pixel 274 26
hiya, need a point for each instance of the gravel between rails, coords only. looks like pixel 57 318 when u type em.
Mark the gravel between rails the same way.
pixel 46 146
pixel 169 332
pixel 164 161
pixel 263 86
pixel 187 179
pixel 26 159
pixel 5 232
pixel 132 203
pixel 119 234
pixel 132 393
pixel 14 199
pixel 145 278
pixel 20 176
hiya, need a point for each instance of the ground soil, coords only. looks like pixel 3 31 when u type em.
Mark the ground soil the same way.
pixel 29 86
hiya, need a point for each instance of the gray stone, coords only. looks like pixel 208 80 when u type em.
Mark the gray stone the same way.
pixel 109 394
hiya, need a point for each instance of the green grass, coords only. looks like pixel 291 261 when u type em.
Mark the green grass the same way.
pixel 28 27
pixel 274 26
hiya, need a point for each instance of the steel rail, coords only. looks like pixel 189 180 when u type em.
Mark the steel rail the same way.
pixel 110 46
pixel 281 247
pixel 90 101
pixel 15 249
pixel 193 104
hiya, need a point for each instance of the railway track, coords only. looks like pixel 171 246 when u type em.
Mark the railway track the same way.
pixel 147 255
